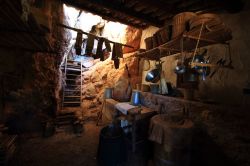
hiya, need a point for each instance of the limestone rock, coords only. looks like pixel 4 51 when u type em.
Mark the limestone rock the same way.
pixel 95 77
pixel 122 91
pixel 90 92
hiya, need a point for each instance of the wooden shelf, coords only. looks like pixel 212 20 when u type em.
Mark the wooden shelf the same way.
pixel 219 36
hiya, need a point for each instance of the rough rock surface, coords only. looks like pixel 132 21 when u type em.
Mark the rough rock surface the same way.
pixel 102 75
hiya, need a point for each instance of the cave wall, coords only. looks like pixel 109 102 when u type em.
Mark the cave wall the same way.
pixel 102 75
pixel 30 80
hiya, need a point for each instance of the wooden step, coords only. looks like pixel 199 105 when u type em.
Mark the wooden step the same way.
pixel 73 85
pixel 66 112
pixel 60 117
pixel 70 90
pixel 73 69
pixel 75 75
pixel 70 79
pixel 72 96
pixel 72 102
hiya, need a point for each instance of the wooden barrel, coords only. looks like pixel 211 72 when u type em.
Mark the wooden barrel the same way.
pixel 149 43
pixel 180 23
pixel 172 135
pixel 165 155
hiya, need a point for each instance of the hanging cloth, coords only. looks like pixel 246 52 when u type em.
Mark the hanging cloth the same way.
pixel 113 52
pixel 107 45
pixel 90 44
pixel 117 63
pixel 118 49
pixel 99 52
pixel 78 44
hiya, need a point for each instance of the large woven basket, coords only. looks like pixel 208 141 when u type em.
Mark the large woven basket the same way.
pixel 164 34
pixel 180 22
pixel 149 43
pixel 204 18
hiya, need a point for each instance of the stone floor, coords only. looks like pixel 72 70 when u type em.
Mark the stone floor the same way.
pixel 66 149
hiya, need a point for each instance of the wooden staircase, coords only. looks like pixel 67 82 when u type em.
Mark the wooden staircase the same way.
pixel 71 90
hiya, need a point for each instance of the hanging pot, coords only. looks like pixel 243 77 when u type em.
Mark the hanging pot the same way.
pixel 153 76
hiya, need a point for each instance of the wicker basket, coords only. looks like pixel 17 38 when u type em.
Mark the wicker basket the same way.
pixel 164 34
pixel 158 36
pixel 204 18
pixel 149 43
pixel 180 22
pixel 155 41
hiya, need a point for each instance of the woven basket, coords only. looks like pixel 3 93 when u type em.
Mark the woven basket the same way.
pixel 164 34
pixel 155 41
pixel 149 43
pixel 180 22
pixel 204 18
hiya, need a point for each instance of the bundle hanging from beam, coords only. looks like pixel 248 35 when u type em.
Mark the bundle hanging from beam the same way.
pixel 86 33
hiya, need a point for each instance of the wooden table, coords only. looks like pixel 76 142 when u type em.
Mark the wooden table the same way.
pixel 133 116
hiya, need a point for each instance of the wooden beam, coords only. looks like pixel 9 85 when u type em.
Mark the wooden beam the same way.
pixel 86 33
pixel 115 8
pixel 105 15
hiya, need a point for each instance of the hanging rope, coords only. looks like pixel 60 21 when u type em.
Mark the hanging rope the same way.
pixel 197 44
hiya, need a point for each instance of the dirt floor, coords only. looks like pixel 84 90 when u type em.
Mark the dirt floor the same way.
pixel 65 148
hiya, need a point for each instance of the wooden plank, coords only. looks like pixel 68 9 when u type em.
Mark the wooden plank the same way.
pixel 86 33
pixel 214 37
pixel 105 15
pixel 117 8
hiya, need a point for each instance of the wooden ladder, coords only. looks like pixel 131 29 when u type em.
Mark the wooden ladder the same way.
pixel 72 95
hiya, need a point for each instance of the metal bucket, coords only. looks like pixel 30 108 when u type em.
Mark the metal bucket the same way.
pixel 135 99
pixel 108 93
pixel 154 88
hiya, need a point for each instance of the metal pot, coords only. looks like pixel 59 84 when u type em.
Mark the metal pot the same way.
pixel 154 88
pixel 108 93
pixel 153 76
pixel 180 69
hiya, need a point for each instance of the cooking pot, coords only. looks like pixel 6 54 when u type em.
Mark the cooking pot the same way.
pixel 153 76
pixel 180 69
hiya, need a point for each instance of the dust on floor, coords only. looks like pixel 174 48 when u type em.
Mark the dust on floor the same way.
pixel 65 149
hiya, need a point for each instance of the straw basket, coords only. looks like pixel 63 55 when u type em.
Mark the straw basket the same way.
pixel 180 22
pixel 164 34
pixel 204 18
pixel 149 43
